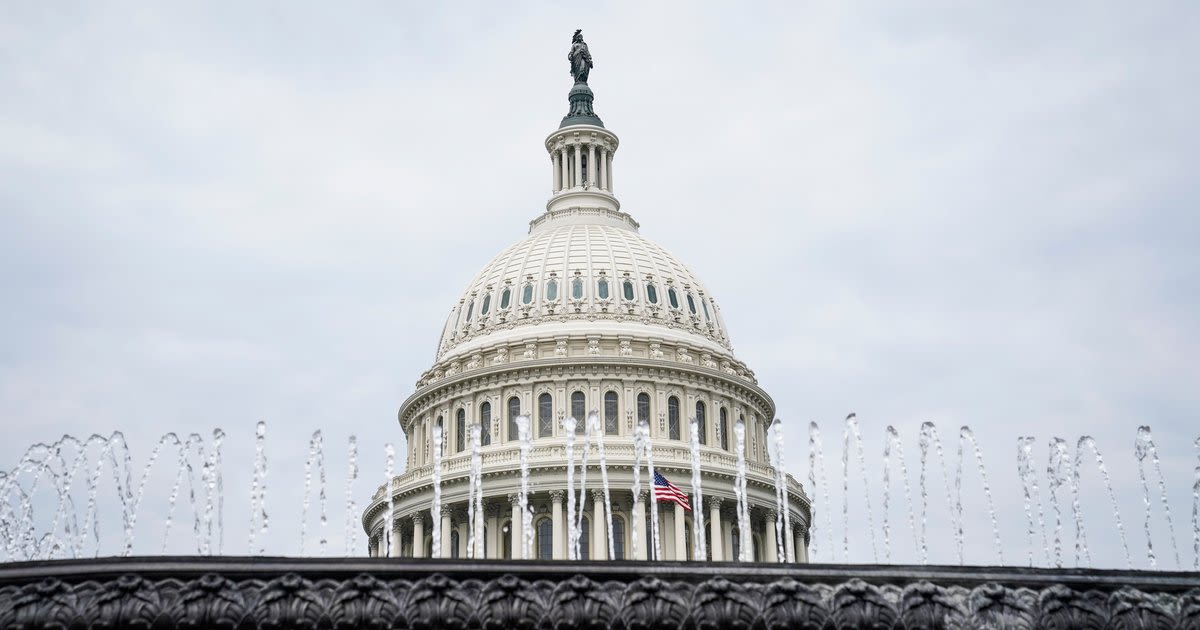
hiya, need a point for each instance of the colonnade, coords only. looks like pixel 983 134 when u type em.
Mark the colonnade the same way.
pixel 674 520
pixel 582 164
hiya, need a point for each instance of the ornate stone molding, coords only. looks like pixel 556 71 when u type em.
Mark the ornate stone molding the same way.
pixel 391 593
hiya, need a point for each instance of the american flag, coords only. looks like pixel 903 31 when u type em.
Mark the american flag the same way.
pixel 666 491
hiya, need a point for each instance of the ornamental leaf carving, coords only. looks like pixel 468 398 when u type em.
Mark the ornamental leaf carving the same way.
pixel 651 603
pixel 719 603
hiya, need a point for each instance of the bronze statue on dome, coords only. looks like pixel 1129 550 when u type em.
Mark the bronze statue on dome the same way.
pixel 580 58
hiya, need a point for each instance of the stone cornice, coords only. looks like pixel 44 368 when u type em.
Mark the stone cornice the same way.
pixel 490 376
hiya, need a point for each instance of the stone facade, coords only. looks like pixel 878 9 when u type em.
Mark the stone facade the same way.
pixel 585 316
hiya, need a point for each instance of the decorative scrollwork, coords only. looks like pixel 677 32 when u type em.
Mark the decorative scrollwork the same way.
pixel 320 594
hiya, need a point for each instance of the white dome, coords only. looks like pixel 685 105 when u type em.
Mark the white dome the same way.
pixel 584 270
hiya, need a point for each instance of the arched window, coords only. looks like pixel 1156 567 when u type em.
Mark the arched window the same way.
pixel 643 407
pixel 578 412
pixel 610 413
pixel 460 431
pixel 505 298
pixel 585 539
pixel 704 303
pixel 724 429
pixel 439 425
pixel 618 530
pixel 691 304
pixel 545 416
pixel 756 547
pixel 429 547
pixel 545 539
pixel 454 540
pixel 527 294
pixel 506 540
pixel 577 288
pixel 651 293
pixel 485 424
pixel 551 290
pixel 470 310
pixel 602 289
pixel 514 410
pixel 673 418
pixel 627 287
pixel 687 541
pixel 701 423
pixel 672 297
pixel 487 304
pixel 735 545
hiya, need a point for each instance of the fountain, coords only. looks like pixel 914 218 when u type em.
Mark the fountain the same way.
pixel 45 553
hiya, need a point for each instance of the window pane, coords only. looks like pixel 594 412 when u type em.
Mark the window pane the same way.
pixel 504 298
pixel 701 424
pixel 736 545
pixel 545 535
pixel 691 304
pixel 487 304
pixel 454 539
pixel 460 431
pixel 723 429
pixel 628 290
pixel 578 412
pixel 514 410
pixel 577 289
pixel 470 309
pixel 672 297
pixel 610 413
pixel 545 416
pixel 602 289
pixel 651 293
pixel 618 527
pixel 485 424
pixel 552 289
pixel 704 303
pixel 673 418
pixel 643 408
pixel 527 294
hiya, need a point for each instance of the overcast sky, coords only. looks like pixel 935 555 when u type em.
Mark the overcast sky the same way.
pixel 982 216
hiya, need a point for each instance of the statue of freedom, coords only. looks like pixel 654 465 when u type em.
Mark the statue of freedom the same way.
pixel 580 58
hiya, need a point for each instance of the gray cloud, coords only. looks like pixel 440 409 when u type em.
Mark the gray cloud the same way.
pixel 974 215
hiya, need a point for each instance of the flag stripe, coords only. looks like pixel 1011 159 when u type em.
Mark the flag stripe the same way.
pixel 666 491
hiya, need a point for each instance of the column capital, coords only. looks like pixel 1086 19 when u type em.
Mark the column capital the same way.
pixel 419 517
pixel 447 511
pixel 598 495
pixel 714 503
pixel 514 499
pixel 557 496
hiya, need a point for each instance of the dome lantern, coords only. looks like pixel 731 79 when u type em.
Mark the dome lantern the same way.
pixel 581 150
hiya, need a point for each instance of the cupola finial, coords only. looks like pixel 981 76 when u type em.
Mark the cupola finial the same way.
pixel 580 96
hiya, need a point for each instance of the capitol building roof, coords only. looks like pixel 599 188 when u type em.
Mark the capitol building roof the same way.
pixel 578 269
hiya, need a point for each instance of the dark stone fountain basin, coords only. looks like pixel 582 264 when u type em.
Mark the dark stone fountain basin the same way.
pixel 238 592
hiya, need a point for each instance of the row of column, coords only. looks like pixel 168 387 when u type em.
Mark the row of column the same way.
pixel 569 167
pixel 598 541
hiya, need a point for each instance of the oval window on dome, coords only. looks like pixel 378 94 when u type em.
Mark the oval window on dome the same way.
pixel 672 297
pixel 628 289
pixel 602 289
pixel 551 290
pixel 487 304
pixel 703 303
pixel 470 310
pixel 577 288
pixel 691 304
pixel 651 293
pixel 527 294
pixel 505 298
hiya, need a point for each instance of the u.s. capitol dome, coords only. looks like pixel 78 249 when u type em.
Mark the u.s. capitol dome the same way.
pixel 586 315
